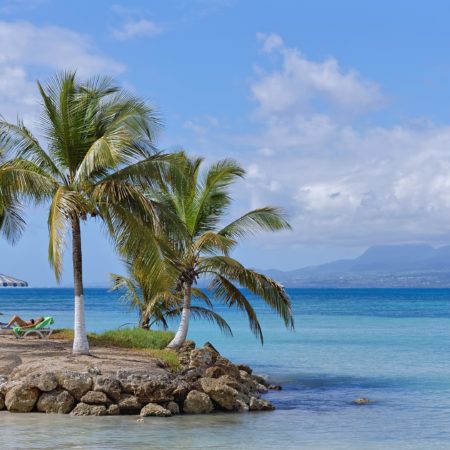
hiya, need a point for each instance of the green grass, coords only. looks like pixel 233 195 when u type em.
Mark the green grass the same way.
pixel 149 341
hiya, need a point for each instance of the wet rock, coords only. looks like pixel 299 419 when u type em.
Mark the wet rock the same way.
pixel 259 404
pixel 241 406
pixel 83 409
pixel 259 379
pixel 58 401
pixel 21 398
pixel 197 403
pixel 129 404
pixel 95 398
pixel 113 410
pixel 173 408
pixel 225 396
pixel 153 409
pixel 261 388
pixel 109 385
pixel 2 402
pixel 275 387
pixel 361 401
pixel 75 382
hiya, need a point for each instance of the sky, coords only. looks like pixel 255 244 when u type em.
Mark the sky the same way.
pixel 338 111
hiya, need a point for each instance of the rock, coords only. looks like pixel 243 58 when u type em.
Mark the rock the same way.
pixel 21 398
pixel 76 383
pixel 197 403
pixel 113 410
pixel 219 370
pixel 275 387
pixel 202 357
pixel 261 388
pixel 184 352
pixel 259 404
pixel 147 387
pixel 245 368
pixel 225 396
pixel 83 409
pixel 58 401
pixel 94 371
pixel 109 385
pixel 259 379
pixel 44 381
pixel 241 406
pixel 2 402
pixel 153 409
pixel 173 408
pixel 129 404
pixel 361 401
pixel 95 398
pixel 181 391
pixel 232 382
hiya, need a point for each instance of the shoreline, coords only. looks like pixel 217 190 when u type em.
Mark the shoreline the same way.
pixel 42 376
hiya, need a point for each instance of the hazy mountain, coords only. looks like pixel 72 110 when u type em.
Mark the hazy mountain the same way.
pixel 415 265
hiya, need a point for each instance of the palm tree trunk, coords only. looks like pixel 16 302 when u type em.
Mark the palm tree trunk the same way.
pixel 182 332
pixel 80 342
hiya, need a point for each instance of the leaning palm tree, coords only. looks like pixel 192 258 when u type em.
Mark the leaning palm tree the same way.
pixel 97 158
pixel 157 302
pixel 201 202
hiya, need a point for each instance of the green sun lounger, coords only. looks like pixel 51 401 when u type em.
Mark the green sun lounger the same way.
pixel 42 329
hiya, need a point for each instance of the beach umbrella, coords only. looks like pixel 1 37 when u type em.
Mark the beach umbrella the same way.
pixel 6 281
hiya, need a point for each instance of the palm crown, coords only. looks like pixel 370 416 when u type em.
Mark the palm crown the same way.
pixel 98 157
pixel 200 201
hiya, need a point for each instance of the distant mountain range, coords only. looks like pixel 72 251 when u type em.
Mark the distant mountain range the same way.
pixel 414 265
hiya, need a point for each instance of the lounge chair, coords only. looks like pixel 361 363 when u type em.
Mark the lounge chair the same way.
pixel 42 329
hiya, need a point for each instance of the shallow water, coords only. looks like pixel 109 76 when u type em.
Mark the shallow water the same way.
pixel 389 345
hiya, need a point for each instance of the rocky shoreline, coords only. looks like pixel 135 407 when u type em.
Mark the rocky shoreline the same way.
pixel 207 382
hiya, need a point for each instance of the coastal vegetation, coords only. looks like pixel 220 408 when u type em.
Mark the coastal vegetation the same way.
pixel 166 214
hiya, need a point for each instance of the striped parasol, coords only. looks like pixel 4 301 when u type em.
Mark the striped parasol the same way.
pixel 6 281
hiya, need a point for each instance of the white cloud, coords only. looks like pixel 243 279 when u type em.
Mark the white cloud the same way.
pixel 29 52
pixel 299 81
pixel 342 184
pixel 137 28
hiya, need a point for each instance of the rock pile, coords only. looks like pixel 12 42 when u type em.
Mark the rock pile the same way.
pixel 207 382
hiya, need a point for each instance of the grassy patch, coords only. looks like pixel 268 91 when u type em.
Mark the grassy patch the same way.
pixel 151 342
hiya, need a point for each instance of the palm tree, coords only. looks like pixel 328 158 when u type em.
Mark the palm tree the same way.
pixel 157 303
pixel 97 159
pixel 201 202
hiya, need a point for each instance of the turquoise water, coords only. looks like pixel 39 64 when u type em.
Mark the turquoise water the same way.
pixel 392 346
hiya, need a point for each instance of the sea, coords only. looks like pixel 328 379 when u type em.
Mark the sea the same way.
pixel 389 345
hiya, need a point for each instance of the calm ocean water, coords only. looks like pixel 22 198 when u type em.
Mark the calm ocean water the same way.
pixel 392 346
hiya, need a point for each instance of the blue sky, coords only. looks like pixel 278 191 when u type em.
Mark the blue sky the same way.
pixel 338 111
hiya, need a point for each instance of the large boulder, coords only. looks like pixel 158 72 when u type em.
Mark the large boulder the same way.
pixel 75 382
pixel 21 398
pixel 197 403
pixel 129 404
pixel 153 409
pixel 113 410
pixel 259 404
pixel 147 387
pixel 173 408
pixel 44 381
pixel 109 385
pixel 224 396
pixel 83 409
pixel 203 357
pixel 58 401
pixel 95 398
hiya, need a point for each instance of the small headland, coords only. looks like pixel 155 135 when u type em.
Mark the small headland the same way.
pixel 124 375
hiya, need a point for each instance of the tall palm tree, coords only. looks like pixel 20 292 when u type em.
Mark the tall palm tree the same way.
pixel 157 302
pixel 201 201
pixel 97 156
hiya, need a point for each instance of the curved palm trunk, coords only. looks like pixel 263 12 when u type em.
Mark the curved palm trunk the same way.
pixel 80 342
pixel 182 331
